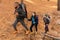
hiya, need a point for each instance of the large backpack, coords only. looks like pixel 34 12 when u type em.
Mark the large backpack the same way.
pixel 46 20
pixel 23 13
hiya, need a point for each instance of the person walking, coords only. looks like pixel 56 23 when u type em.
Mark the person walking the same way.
pixel 34 19
pixel 46 20
pixel 20 15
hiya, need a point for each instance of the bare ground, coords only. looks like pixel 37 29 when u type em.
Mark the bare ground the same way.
pixel 41 7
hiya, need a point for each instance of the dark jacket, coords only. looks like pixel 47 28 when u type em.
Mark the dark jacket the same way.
pixel 46 20
pixel 35 19
pixel 24 9
pixel 20 12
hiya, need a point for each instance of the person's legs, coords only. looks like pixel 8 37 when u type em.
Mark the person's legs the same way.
pixel 23 23
pixel 31 28
pixel 14 25
pixel 46 28
pixel 36 27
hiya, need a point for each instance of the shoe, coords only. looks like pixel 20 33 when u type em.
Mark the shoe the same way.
pixel 32 33
pixel 27 32
pixel 15 32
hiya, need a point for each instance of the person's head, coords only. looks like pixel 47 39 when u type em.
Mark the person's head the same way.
pixel 22 1
pixel 46 15
pixel 16 4
pixel 34 14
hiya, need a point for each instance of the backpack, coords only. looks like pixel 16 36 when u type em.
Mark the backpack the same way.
pixel 24 14
pixel 46 20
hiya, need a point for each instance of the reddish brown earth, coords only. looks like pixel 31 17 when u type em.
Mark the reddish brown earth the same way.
pixel 41 7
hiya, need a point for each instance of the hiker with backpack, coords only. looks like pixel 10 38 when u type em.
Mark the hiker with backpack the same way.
pixel 34 19
pixel 20 15
pixel 46 20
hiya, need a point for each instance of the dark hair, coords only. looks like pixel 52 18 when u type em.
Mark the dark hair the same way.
pixel 46 15
pixel 34 13
pixel 17 3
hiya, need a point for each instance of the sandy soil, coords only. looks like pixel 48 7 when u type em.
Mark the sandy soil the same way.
pixel 41 7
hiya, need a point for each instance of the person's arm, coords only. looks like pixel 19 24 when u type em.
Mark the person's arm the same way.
pixel 15 12
pixel 25 9
pixel 30 19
